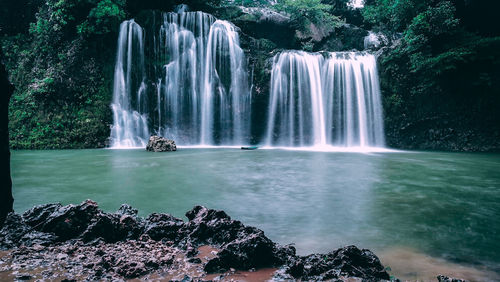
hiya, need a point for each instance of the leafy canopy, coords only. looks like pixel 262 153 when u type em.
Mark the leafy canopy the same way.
pixel 309 14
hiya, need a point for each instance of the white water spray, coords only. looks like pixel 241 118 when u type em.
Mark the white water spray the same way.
pixel 130 128
pixel 320 100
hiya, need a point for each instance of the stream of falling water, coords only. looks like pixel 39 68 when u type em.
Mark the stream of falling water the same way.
pixel 198 93
pixel 319 100
pixel 185 78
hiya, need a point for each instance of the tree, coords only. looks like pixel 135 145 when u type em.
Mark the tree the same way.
pixel 307 13
pixel 443 67
pixel 393 15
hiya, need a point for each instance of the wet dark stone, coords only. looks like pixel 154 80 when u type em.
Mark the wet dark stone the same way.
pixel 39 214
pixel 112 228
pixel 442 278
pixel 132 270
pixel 207 226
pixel 239 247
pixel 23 276
pixel 127 210
pixel 160 144
pixel 12 231
pixel 66 222
pixel 194 260
pixel 242 247
pixel 163 226
pixel 15 232
pixel 252 250
pixel 38 238
pixel 345 262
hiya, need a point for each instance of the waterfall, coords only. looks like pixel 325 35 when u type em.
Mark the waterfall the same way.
pixel 225 73
pixel 330 99
pixel 186 79
pixel 130 127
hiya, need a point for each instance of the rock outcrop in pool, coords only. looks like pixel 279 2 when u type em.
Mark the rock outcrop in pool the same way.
pixel 83 242
pixel 160 144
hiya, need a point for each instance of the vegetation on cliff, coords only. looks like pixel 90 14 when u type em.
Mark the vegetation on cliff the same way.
pixel 62 68
pixel 440 79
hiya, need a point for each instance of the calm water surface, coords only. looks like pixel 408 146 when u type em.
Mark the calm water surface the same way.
pixel 441 207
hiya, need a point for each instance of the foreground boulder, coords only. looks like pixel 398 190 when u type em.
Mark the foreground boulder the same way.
pixel 67 222
pixel 349 261
pixel 16 232
pixel 241 247
pixel 160 144
pixel 121 245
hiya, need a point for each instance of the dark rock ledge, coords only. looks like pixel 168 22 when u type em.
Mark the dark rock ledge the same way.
pixel 81 242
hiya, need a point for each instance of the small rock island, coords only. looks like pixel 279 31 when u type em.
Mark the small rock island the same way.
pixel 160 144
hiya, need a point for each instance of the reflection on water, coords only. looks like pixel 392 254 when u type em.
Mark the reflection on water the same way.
pixel 444 205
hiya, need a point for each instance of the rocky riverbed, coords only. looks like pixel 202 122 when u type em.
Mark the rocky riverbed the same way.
pixel 81 242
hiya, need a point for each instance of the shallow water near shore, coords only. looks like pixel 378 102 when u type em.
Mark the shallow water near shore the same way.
pixel 413 209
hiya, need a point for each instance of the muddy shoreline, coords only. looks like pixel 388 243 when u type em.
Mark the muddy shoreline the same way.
pixel 81 242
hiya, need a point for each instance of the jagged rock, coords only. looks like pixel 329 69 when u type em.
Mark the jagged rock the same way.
pixel 345 262
pixel 67 222
pixel 122 245
pixel 12 231
pixel 112 228
pixel 160 144
pixel 84 221
pixel 207 226
pixel 442 278
pixel 265 14
pixel 161 226
pixel 16 232
pixel 252 250
pixel 23 276
pixel 127 210
pixel 260 23
pixel 39 214
pixel 132 270
pixel 241 247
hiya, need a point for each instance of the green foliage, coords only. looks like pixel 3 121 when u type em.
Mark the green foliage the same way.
pixel 393 15
pixel 423 49
pixel 62 70
pixel 107 14
pixel 437 70
pixel 428 28
pixel 308 15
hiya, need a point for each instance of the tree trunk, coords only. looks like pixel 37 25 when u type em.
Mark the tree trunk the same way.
pixel 6 199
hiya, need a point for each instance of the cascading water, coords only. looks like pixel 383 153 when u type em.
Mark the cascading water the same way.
pixel 185 77
pixel 226 86
pixel 330 99
pixel 195 89
pixel 130 126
